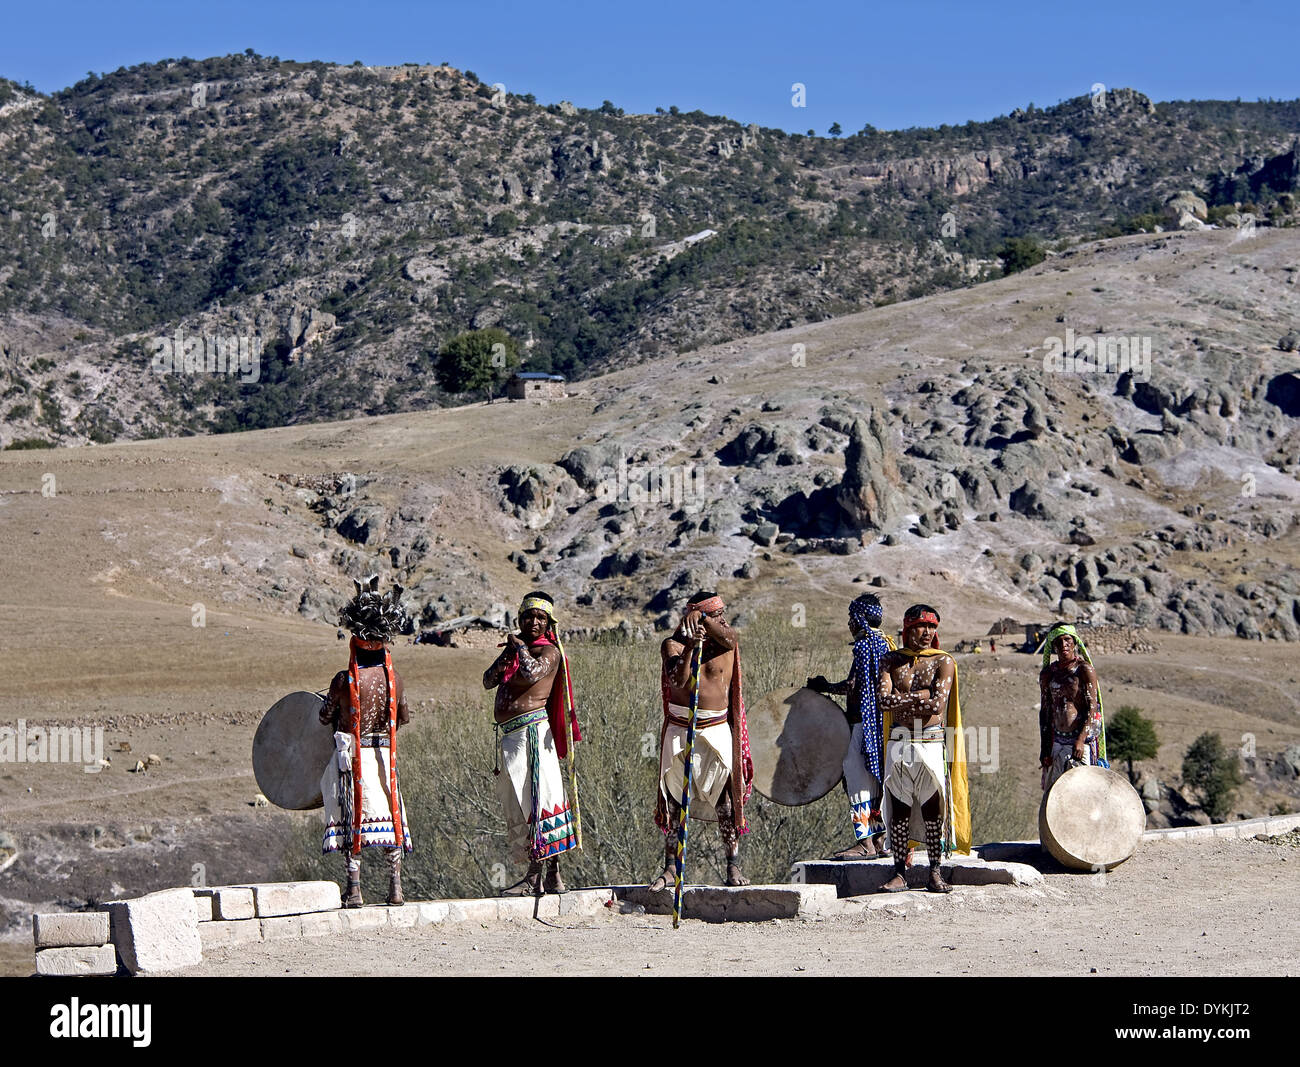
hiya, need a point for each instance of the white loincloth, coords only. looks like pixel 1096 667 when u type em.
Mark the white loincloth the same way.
pixel 710 762
pixel 515 786
pixel 860 784
pixel 1062 760
pixel 914 772
pixel 376 806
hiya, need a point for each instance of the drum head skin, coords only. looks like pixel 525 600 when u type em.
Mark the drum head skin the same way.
pixel 798 739
pixel 290 751
pixel 1091 819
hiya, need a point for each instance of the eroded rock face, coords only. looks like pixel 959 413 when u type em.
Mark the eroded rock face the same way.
pixel 867 495
pixel 531 493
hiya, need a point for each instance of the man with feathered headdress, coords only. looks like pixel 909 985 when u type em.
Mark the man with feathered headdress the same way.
pixel 1071 725
pixel 365 707
pixel 537 724
pixel 722 769
pixel 925 758
pixel 864 760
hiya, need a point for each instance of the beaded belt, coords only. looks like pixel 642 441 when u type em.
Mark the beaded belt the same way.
pixel 700 724
pixel 528 718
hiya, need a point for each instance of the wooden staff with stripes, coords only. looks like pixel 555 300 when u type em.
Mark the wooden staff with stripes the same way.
pixel 697 654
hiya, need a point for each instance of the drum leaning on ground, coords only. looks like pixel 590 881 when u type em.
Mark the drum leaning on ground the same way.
pixel 1091 819
pixel 798 739
pixel 290 751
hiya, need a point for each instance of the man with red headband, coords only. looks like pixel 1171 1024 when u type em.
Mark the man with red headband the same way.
pixel 537 724
pixel 365 707
pixel 925 775
pixel 722 770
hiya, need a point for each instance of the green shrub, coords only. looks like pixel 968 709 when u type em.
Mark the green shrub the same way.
pixel 1130 736
pixel 1213 772
pixel 472 361
pixel 1020 253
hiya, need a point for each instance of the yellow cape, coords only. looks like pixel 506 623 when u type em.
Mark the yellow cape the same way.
pixel 960 812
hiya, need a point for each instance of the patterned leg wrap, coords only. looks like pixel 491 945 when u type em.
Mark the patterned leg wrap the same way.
pixel 898 831
pixel 727 824
pixel 353 864
pixel 934 843
pixel 394 860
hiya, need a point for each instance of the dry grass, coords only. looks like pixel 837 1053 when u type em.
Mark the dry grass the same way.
pixel 447 755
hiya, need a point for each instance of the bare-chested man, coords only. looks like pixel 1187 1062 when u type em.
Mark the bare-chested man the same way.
pixel 722 771
pixel 917 688
pixel 534 712
pixel 365 707
pixel 1069 716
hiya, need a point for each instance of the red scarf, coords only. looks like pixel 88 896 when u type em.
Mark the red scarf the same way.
pixel 560 707
pixel 354 701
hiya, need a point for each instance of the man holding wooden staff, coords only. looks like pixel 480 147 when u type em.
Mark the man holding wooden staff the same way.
pixel 722 771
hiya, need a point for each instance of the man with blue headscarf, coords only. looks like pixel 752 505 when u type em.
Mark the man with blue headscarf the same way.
pixel 864 759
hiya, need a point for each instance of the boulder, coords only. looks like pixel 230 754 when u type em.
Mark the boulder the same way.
pixel 753 443
pixel 1030 500
pixel 1146 448
pixel 70 929
pixel 589 465
pixel 1184 203
pixel 363 524
pixel 294 898
pixel 866 494
pixel 77 962
pixel 532 492
pixel 157 932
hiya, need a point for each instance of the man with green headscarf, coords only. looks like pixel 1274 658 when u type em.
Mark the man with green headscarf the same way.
pixel 1070 719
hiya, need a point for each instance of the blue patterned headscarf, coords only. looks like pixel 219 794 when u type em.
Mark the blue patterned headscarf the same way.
pixel 869 648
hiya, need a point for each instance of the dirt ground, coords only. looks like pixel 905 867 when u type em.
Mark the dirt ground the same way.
pixel 1174 909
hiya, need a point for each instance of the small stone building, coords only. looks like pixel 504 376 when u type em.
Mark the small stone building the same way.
pixel 534 385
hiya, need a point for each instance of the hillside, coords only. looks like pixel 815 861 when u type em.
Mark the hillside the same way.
pixel 928 441
pixel 345 222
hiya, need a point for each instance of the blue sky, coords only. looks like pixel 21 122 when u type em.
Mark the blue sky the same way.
pixel 893 66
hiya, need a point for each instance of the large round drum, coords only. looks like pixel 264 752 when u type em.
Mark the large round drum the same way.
pixel 290 751
pixel 1091 819
pixel 798 739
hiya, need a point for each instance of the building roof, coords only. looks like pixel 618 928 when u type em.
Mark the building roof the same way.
pixel 532 375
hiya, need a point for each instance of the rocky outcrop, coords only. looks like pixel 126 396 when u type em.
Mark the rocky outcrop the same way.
pixel 867 496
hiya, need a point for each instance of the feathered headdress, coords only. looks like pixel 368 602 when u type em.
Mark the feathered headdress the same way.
pixel 372 615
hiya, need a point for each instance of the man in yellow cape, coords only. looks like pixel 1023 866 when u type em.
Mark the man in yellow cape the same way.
pixel 925 757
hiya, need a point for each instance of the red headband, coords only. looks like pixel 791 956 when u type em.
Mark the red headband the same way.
pixel 926 618
pixel 367 646
pixel 712 604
